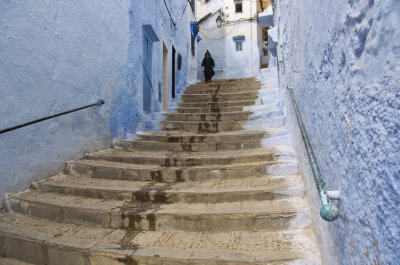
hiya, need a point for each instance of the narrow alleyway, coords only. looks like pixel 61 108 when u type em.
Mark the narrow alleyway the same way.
pixel 219 185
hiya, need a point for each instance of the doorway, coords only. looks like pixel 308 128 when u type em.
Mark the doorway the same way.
pixel 147 58
pixel 173 71
pixel 165 78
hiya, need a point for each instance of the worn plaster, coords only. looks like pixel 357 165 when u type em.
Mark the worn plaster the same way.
pixel 342 60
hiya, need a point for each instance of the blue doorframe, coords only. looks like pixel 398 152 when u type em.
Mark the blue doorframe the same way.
pixel 147 58
pixel 149 36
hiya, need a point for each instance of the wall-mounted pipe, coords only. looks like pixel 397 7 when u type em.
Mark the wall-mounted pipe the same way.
pixel 329 212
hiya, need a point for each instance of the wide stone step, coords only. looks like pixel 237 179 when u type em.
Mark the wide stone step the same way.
pixel 232 136
pixel 186 141
pixel 227 216
pixel 220 126
pixel 185 159
pixel 140 145
pixel 216 105
pixel 227 116
pixel 224 116
pixel 216 96
pixel 211 191
pixel 253 108
pixel 229 82
pixel 204 110
pixel 42 242
pixel 7 261
pixel 46 242
pixel 116 170
pixel 221 89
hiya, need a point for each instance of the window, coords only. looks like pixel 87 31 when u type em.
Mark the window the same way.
pixel 239 42
pixel 238 6
pixel 239 46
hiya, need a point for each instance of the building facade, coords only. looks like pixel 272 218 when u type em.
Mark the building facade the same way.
pixel 235 42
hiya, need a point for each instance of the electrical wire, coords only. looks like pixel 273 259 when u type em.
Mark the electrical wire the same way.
pixel 183 12
pixel 191 7
pixel 209 38
pixel 228 23
pixel 169 13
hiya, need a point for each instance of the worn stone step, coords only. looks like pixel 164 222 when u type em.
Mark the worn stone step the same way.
pixel 204 110
pixel 287 247
pixel 253 108
pixel 211 191
pixel 229 82
pixel 225 116
pixel 215 105
pixel 209 93
pixel 42 242
pixel 222 141
pixel 46 242
pixel 190 147
pixel 230 136
pixel 116 170
pixel 220 126
pixel 226 216
pixel 220 89
pixel 217 96
pixel 184 159
pixel 7 261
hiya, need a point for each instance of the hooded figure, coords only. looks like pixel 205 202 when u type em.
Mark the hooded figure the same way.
pixel 208 64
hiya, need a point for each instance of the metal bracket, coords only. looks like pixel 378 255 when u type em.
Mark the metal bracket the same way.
pixel 333 194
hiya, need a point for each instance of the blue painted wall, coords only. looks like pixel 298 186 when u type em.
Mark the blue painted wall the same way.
pixel 342 59
pixel 58 55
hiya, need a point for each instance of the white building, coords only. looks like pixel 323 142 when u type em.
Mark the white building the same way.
pixel 236 44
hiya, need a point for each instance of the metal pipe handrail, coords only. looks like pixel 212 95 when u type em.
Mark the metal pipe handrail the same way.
pixel 98 103
pixel 329 212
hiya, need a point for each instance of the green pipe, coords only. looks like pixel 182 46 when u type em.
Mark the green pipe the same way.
pixel 329 212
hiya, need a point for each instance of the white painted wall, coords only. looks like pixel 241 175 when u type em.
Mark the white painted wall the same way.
pixel 58 55
pixel 342 59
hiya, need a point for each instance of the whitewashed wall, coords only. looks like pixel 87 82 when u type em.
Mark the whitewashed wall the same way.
pixel 58 55
pixel 342 59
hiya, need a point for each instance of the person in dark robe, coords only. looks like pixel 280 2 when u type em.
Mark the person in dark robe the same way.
pixel 208 64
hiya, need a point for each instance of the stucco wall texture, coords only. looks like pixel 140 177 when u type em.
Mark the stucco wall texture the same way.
pixel 59 55
pixel 342 59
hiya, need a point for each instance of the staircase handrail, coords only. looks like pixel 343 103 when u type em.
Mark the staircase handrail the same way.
pixel 329 212
pixel 98 103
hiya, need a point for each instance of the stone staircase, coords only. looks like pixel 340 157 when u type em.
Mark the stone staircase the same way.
pixel 218 185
